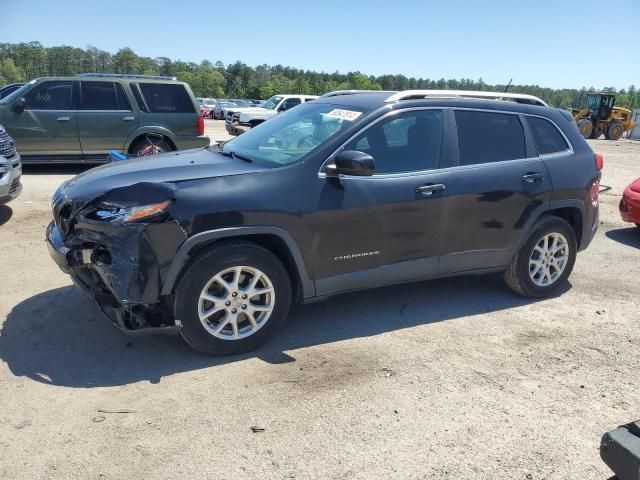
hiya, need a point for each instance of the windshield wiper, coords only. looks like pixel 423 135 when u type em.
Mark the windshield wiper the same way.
pixel 233 154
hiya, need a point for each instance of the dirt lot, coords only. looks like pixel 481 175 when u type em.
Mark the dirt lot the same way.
pixel 455 379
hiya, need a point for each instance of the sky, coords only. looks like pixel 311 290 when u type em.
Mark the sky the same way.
pixel 558 44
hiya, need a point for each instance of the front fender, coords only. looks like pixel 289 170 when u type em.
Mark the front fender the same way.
pixel 183 254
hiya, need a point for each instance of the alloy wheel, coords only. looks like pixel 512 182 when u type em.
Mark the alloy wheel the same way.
pixel 548 259
pixel 236 303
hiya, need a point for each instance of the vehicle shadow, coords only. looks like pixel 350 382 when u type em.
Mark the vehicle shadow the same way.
pixel 627 236
pixel 59 337
pixel 5 214
pixel 62 169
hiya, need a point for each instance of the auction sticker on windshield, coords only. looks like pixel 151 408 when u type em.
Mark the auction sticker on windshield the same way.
pixel 348 115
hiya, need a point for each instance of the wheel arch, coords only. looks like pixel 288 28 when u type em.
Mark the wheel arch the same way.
pixel 166 135
pixel 275 239
pixel 572 211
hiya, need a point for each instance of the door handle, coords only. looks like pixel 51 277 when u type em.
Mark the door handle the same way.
pixel 532 177
pixel 128 119
pixel 428 190
pixel 63 119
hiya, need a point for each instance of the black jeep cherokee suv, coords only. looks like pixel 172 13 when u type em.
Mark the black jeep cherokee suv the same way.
pixel 353 190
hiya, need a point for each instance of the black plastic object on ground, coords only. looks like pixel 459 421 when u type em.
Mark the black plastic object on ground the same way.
pixel 620 450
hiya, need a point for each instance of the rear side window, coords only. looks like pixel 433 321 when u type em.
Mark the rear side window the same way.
pixel 103 96
pixel 167 98
pixel 485 137
pixel 546 135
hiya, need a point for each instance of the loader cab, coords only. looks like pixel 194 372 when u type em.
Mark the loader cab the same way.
pixel 601 105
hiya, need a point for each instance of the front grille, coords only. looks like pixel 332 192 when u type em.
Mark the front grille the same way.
pixel 15 185
pixel 7 145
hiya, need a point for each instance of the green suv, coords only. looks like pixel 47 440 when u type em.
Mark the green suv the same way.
pixel 81 118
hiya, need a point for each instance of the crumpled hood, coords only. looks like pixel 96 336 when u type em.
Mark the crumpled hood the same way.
pixel 635 186
pixel 166 168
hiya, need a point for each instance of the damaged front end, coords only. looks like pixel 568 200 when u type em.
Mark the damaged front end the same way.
pixel 117 247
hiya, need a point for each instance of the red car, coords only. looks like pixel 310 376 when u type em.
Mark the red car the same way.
pixel 630 203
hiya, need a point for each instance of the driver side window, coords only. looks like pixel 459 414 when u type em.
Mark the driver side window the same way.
pixel 405 142
pixel 52 95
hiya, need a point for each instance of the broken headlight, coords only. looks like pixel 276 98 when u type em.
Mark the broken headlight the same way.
pixel 113 213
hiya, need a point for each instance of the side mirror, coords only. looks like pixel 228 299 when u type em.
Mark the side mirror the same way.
pixel 20 105
pixel 352 162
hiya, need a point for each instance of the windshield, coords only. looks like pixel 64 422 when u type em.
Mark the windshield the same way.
pixel 209 101
pixel 240 103
pixel 17 93
pixel 290 136
pixel 272 102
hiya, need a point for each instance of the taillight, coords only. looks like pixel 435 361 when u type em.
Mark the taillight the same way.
pixel 599 161
pixel 200 125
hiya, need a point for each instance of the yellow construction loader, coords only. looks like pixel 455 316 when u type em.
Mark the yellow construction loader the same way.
pixel 602 116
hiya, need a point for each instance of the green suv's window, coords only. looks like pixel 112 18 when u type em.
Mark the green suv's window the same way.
pixel 167 98
pixel 103 96
pixel 51 95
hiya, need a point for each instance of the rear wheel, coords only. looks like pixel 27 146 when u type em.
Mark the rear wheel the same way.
pixel 586 127
pixel 545 261
pixel 149 145
pixel 614 131
pixel 232 298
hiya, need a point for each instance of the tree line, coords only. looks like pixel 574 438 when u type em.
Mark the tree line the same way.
pixel 25 61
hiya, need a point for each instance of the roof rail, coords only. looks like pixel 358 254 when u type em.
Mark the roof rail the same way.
pixel 516 97
pixel 339 93
pixel 127 75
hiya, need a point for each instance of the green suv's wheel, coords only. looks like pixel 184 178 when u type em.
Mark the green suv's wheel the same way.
pixel 149 146
pixel 545 261
pixel 232 298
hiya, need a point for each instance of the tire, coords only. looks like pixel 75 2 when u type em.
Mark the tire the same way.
pixel 586 127
pixel 614 131
pixel 159 145
pixel 197 280
pixel 518 275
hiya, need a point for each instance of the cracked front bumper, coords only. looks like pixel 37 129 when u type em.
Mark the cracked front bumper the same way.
pixel 122 268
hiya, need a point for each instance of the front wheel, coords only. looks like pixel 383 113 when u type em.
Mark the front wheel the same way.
pixel 545 261
pixel 232 298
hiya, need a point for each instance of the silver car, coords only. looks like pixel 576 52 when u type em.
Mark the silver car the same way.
pixel 10 168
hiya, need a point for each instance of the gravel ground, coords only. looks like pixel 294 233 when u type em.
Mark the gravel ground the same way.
pixel 450 379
